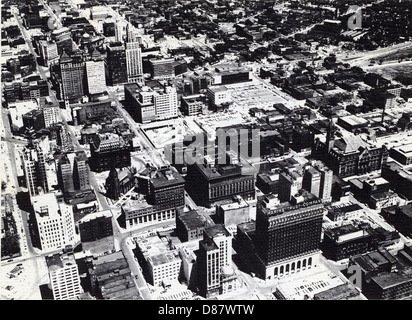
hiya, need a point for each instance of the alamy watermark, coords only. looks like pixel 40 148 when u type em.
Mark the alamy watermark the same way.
pixel 355 20
pixel 230 146
pixel 355 276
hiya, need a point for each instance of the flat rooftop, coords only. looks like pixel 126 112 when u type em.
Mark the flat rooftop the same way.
pixel 193 220
pixel 58 261
pixel 387 280
pixel 217 230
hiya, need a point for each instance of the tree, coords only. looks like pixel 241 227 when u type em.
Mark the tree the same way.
pixel 10 244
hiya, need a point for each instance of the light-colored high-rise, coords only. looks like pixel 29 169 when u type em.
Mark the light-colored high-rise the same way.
pixel 134 62
pixel 54 221
pixel 64 276
pixel 96 77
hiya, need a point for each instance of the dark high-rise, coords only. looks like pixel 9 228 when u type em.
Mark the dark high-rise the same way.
pixel 167 189
pixel 285 239
pixel 116 64
pixel 288 232
pixel 72 71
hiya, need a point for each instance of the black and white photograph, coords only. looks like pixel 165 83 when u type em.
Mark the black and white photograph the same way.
pixel 203 156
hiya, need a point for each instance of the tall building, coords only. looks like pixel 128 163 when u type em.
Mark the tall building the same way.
pixel 223 239
pixel 51 115
pixel 48 53
pixel 64 276
pixel 290 181
pixel 96 76
pixel 65 173
pixel 288 232
pixel 349 155
pixel 73 173
pixel 285 238
pixel 72 69
pixel 81 175
pixel 167 189
pixel 116 64
pixel 134 62
pixel 63 39
pixel 208 184
pixel 214 259
pixel 34 168
pixel 96 226
pixel 54 222
pixel 151 102
pixel 208 268
pixel 311 181
pixel 162 69
pixel 108 150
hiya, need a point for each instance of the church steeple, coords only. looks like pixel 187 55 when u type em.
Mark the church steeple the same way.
pixel 330 135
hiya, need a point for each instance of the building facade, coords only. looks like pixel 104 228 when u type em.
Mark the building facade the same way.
pixel 64 276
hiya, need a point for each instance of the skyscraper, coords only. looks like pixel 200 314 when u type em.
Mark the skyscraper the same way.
pixel 134 62
pixel 291 181
pixel 311 181
pixel 96 76
pixel 208 268
pixel 287 238
pixel 54 222
pixel 65 175
pixel 64 276
pixel 214 257
pixel 116 64
pixel 81 177
pixel 48 52
pixel 34 167
pixel 72 69
pixel 73 173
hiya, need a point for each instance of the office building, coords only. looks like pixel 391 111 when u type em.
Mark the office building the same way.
pixel 208 268
pixel 64 276
pixel 291 180
pixel 63 39
pixel 96 226
pixel 167 189
pixel 116 64
pixel 159 259
pixel 311 181
pixel 54 222
pixel 349 155
pixel 51 114
pixel 162 69
pixel 318 180
pixel 134 62
pixel 137 212
pixel 208 184
pixel 218 96
pixel 96 76
pixel 34 168
pixel 229 74
pixel 194 104
pixel 48 53
pixel 72 71
pixel 190 225
pixel 402 154
pixel 348 240
pixel 151 102
pixel 107 150
pixel 285 238
pixel 73 173
pixel 214 262
pixel 233 212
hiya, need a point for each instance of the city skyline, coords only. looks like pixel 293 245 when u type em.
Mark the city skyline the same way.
pixel 207 150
